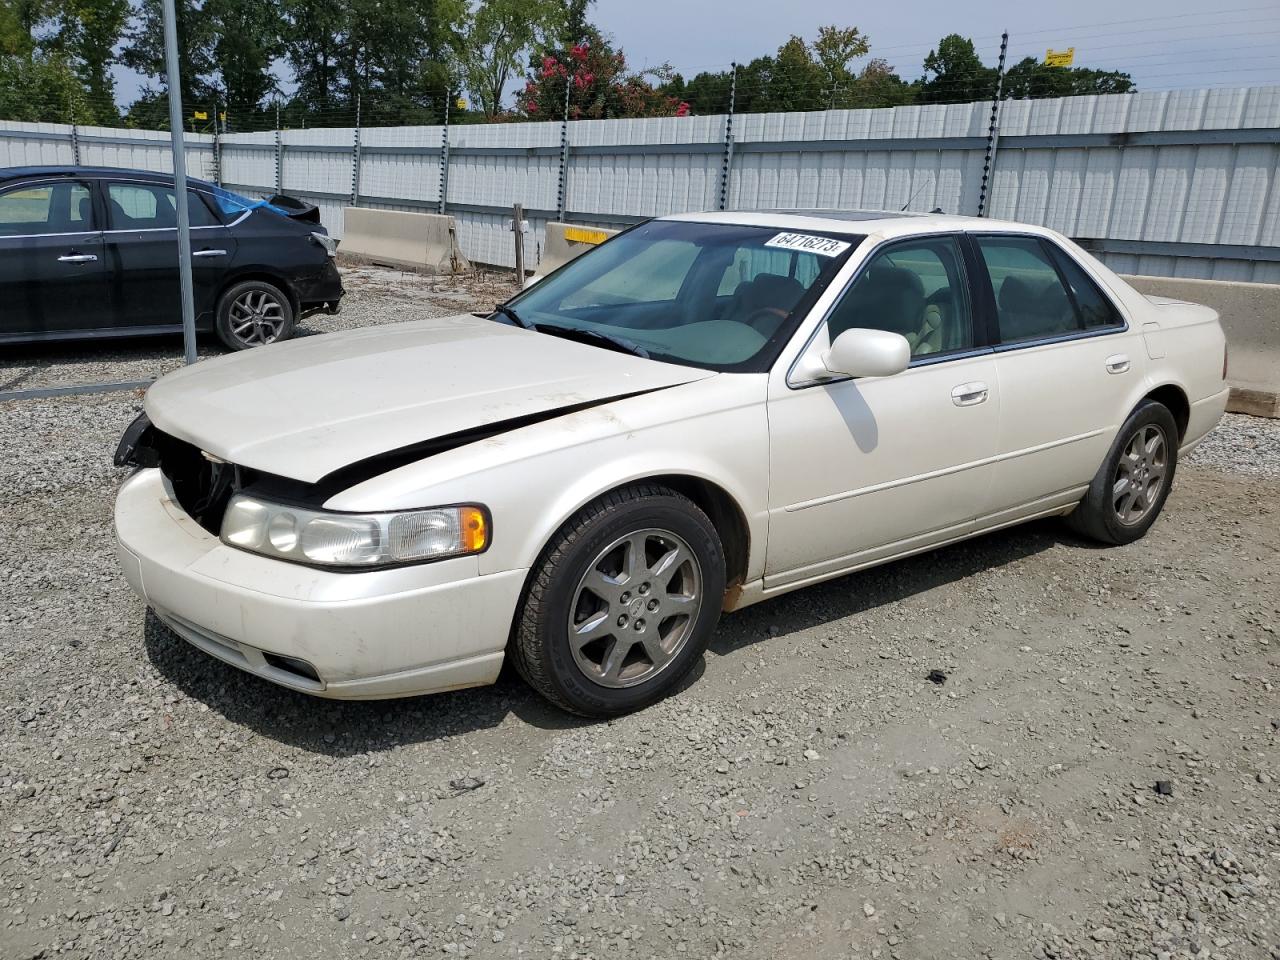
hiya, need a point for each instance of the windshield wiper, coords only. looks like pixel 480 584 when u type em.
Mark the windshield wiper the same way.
pixel 595 336
pixel 514 317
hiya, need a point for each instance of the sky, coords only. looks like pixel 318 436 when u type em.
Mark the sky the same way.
pixel 1164 44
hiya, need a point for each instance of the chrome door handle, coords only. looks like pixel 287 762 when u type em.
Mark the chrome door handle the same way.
pixel 969 394
pixel 1117 363
pixel 209 253
pixel 77 258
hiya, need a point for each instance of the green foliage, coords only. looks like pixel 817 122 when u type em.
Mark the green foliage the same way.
pixel 1030 78
pixel 497 40
pixel 402 60
pixel 954 73
pixel 40 87
pixel 598 84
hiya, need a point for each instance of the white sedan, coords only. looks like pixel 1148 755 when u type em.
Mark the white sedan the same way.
pixel 702 413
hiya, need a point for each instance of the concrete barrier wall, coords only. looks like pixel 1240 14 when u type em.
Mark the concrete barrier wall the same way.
pixel 423 241
pixel 1250 315
pixel 565 241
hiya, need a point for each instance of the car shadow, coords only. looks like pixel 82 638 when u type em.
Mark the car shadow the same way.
pixel 340 728
pixel 889 583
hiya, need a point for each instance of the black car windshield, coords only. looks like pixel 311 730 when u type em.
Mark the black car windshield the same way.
pixel 712 295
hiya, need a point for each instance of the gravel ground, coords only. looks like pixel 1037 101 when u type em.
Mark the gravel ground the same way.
pixel 811 795
pixel 374 295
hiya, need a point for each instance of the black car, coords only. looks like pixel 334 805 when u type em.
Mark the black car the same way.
pixel 92 252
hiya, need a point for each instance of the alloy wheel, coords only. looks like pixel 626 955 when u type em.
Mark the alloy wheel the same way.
pixel 257 317
pixel 1140 474
pixel 635 608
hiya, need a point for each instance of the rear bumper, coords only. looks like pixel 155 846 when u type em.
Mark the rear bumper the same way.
pixel 388 633
pixel 1204 416
pixel 321 290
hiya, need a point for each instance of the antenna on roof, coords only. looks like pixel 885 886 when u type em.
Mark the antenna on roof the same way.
pixel 916 194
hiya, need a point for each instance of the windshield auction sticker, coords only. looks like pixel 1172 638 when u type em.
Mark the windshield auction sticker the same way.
pixel 822 246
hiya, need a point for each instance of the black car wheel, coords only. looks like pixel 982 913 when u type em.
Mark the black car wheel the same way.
pixel 622 602
pixel 252 313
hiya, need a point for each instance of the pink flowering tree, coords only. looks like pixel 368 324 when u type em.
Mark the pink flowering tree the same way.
pixel 600 87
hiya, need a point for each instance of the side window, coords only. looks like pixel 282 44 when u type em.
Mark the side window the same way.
pixel 47 208
pixel 652 276
pixel 140 206
pixel 916 288
pixel 1031 301
pixel 1095 308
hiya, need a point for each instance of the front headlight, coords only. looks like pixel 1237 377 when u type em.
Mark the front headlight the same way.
pixel 353 539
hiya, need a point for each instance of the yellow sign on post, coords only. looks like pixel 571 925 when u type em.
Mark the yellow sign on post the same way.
pixel 1059 58
pixel 200 115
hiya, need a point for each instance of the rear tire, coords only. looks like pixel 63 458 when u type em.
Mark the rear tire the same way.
pixel 1131 487
pixel 622 602
pixel 253 313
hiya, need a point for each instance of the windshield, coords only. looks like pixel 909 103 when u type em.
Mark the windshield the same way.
pixel 718 296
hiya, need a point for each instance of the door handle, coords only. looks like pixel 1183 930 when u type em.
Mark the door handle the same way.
pixel 969 394
pixel 1117 363
pixel 209 253
pixel 77 258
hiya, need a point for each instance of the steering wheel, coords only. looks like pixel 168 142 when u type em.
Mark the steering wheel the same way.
pixel 765 320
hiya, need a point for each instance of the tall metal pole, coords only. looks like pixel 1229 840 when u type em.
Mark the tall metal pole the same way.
pixel 355 159
pixel 180 179
pixel 442 203
pixel 562 190
pixel 727 163
pixel 993 132
pixel 279 153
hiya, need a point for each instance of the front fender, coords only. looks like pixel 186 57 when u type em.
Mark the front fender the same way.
pixel 534 478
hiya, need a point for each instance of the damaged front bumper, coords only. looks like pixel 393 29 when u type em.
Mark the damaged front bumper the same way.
pixel 367 635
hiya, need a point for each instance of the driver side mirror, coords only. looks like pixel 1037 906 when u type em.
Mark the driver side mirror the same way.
pixel 860 352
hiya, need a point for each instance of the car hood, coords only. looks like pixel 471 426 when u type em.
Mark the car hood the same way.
pixel 308 407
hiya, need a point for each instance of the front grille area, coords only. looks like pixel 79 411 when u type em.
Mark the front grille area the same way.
pixel 201 487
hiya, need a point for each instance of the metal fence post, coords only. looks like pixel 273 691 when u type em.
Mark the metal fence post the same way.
pixel 517 228
pixel 75 137
pixel 355 158
pixel 726 166
pixel 217 144
pixel 993 133
pixel 279 153
pixel 443 202
pixel 562 189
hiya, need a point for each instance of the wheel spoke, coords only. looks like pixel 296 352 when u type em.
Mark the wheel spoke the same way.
pixel 658 655
pixel 633 558
pixel 601 584
pixel 678 603
pixel 618 651
pixel 595 626
pixel 666 565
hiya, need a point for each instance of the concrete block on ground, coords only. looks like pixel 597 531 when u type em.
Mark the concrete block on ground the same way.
pixel 423 241
pixel 565 241
pixel 1250 315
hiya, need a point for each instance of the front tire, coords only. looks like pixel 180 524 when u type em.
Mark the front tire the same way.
pixel 1133 483
pixel 622 602
pixel 253 313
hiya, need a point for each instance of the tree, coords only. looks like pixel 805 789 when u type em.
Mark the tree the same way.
pixel 497 41
pixel 958 75
pixel 144 52
pixel 1031 79
pixel 248 40
pixel 835 50
pixel 599 86
pixel 35 85
pixel 86 32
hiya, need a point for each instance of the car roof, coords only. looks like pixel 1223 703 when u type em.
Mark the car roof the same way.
pixel 8 174
pixel 882 223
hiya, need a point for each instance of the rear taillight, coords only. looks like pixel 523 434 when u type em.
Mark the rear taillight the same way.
pixel 1224 361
